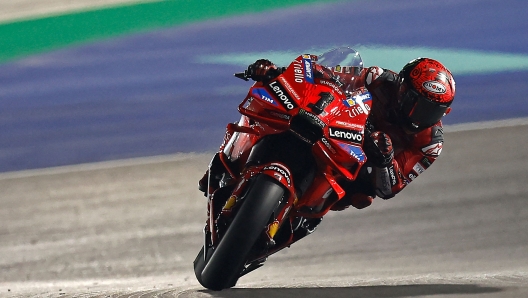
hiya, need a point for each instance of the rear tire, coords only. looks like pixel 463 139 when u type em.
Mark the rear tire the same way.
pixel 223 269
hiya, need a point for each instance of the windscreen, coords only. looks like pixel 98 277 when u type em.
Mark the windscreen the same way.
pixel 345 63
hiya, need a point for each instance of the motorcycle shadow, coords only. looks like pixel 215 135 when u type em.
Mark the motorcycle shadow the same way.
pixel 381 291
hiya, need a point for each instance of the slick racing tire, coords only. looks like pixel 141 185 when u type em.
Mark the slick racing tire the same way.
pixel 227 261
pixel 199 263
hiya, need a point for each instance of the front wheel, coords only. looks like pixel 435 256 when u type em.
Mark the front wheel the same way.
pixel 223 268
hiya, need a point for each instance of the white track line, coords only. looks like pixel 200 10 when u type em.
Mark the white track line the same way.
pixel 104 165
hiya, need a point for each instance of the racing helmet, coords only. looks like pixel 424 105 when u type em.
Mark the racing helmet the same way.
pixel 427 89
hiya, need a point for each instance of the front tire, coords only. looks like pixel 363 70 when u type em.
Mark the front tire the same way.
pixel 223 269
pixel 199 264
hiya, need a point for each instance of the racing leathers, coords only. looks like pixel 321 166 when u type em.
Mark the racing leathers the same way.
pixel 413 153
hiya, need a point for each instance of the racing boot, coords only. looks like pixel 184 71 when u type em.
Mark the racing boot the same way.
pixel 361 200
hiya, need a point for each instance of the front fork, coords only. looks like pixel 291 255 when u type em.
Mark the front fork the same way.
pixel 217 215
pixel 291 212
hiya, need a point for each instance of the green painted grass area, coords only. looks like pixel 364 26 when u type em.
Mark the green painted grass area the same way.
pixel 28 37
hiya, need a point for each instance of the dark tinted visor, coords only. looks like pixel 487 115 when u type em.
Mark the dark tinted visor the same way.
pixel 421 111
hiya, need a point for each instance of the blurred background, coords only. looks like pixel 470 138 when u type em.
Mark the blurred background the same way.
pixel 85 81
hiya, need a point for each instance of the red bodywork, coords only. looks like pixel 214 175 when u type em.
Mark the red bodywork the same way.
pixel 316 110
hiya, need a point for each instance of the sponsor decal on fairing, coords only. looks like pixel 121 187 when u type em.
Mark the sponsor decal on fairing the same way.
pixel 354 112
pixel 312 118
pixel 361 99
pixel 350 125
pixel 331 85
pixel 264 95
pixel 289 88
pixel 357 105
pixel 298 72
pixel 346 135
pixel 358 99
pixel 281 171
pixel 282 95
pixel 354 151
pixel 308 73
pixel 327 144
pixel 279 115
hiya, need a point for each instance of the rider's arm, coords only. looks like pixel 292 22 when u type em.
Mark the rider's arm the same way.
pixel 263 70
pixel 409 163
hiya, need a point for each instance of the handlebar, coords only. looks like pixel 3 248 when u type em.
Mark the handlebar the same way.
pixel 242 75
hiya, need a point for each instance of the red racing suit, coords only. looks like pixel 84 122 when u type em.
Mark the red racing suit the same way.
pixel 413 153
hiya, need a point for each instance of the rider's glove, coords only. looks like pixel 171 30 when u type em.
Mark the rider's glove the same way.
pixel 262 70
pixel 379 150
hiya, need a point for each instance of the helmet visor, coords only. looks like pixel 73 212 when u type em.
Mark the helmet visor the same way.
pixel 420 111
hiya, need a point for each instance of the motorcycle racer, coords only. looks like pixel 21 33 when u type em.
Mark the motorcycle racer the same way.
pixel 404 134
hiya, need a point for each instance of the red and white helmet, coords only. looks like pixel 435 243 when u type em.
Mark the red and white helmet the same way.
pixel 427 90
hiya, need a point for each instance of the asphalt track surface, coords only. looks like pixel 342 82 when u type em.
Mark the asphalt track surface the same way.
pixel 131 228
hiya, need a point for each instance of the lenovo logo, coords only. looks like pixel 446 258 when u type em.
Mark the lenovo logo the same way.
pixel 346 135
pixel 282 95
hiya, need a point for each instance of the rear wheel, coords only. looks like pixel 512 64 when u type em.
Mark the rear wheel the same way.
pixel 223 268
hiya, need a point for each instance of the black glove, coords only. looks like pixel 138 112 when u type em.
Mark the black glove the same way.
pixel 378 147
pixel 262 70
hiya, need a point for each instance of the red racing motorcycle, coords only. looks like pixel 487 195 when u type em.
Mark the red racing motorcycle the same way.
pixel 279 170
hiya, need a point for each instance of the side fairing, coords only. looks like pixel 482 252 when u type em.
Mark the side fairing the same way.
pixel 345 128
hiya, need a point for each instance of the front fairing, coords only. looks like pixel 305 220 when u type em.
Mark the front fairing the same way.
pixel 317 109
